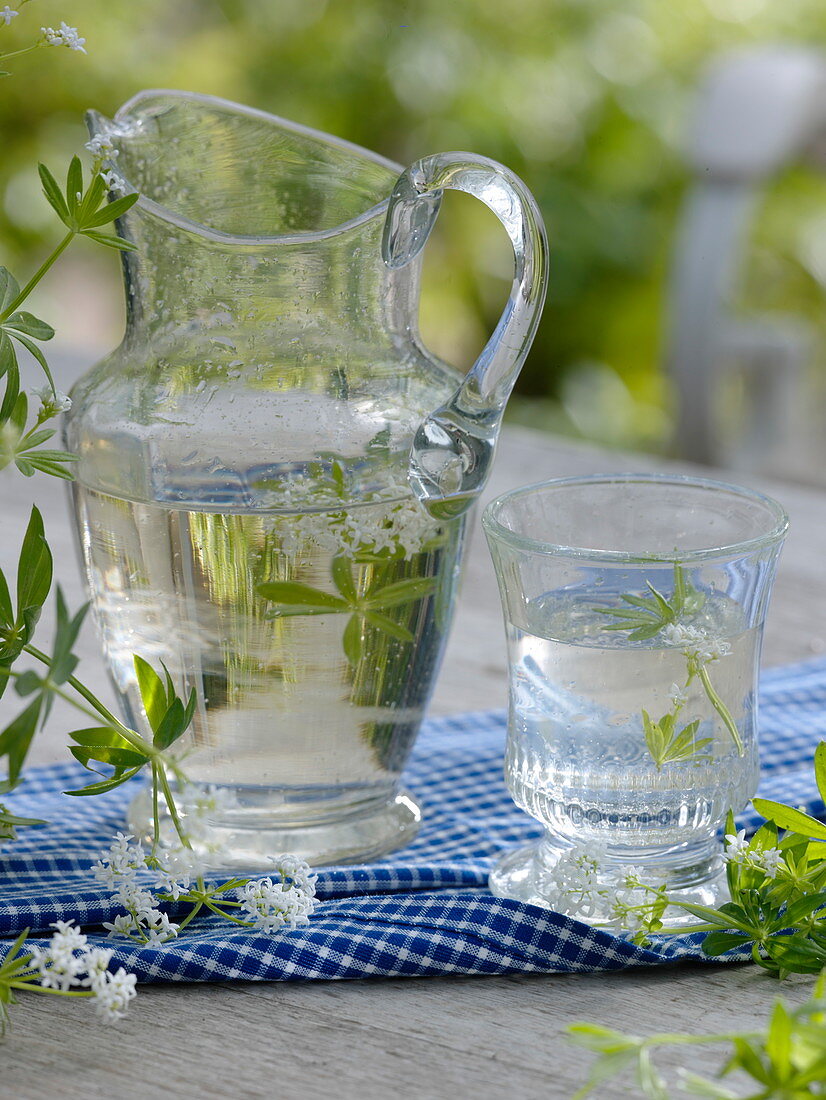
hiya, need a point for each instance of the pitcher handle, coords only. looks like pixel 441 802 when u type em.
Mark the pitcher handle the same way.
pixel 453 447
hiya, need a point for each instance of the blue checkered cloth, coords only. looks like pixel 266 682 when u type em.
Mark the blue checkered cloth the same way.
pixel 420 911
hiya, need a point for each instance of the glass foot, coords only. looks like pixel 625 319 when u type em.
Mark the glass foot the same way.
pixel 240 840
pixel 693 873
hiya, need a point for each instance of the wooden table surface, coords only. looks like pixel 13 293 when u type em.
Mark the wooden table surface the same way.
pixel 428 1038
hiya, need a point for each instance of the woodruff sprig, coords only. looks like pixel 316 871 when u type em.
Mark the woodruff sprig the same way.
pixel 68 967
pixel 82 210
pixel 777 886
pixel 108 748
pixel 777 911
pixel 785 1060
pixel 64 35
pixel 657 616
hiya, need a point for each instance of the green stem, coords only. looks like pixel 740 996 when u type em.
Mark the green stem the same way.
pixel 156 813
pixel 687 927
pixel 17 53
pixel 721 709
pixel 227 916
pixel 676 1039
pixel 58 992
pixel 38 275
pixel 191 916
pixel 82 690
pixel 173 809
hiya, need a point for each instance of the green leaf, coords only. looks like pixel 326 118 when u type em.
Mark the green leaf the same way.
pixel 779 1039
pixel 802 907
pixel 655 739
pixel 624 613
pixel 17 737
pixel 401 592
pixel 8 357
pixel 105 785
pixel 54 196
pixel 101 736
pixel 74 183
pixel 343 578
pixel 294 595
pixel 104 754
pixel 787 818
pixel 640 634
pixel 722 918
pixel 35 437
pixel 386 624
pixel 9 368
pixel 718 943
pixel 663 606
pixel 20 412
pixel 12 821
pixel 820 769
pixel 189 712
pixel 749 1060
pixel 600 1038
pixel 171 726
pixel 34 573
pixel 110 242
pixel 93 197
pixel 606 1067
pixel 651 606
pixel 152 692
pixel 50 464
pixel 109 212
pixel 67 629
pixel 30 325
pixel 353 640
pixel 796 954
pixel 9 289
pixel 31 347
pixel 6 608
pixel 27 683
pixel 701 1086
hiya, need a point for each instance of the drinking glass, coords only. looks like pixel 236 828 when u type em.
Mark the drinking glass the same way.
pixel 634 607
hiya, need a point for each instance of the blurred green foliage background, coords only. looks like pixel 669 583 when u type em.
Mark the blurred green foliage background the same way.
pixel 588 100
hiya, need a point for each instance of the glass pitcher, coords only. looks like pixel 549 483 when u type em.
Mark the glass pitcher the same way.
pixel 274 474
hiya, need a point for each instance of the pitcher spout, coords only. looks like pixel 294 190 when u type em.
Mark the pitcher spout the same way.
pixel 234 172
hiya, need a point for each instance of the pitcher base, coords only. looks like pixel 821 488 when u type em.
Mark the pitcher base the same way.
pixel 355 838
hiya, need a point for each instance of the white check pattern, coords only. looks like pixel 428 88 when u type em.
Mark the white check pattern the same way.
pixel 421 911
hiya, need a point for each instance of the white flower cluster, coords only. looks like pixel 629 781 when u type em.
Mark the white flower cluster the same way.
pixel 52 403
pixel 64 36
pixel 738 850
pixel 119 869
pixel 271 905
pixel 103 149
pixel 575 880
pixel 583 887
pixel 699 645
pixel 399 526
pixel 285 899
pixel 69 963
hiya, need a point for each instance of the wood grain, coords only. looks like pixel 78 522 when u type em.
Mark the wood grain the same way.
pixel 436 1038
